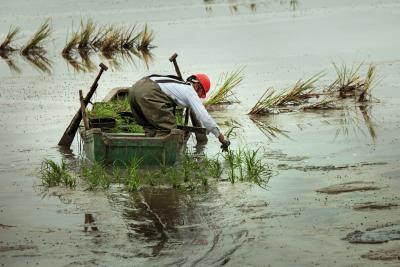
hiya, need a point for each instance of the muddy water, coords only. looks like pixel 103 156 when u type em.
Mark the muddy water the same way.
pixel 236 225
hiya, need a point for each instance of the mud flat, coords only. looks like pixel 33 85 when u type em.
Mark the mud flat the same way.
pixel 289 224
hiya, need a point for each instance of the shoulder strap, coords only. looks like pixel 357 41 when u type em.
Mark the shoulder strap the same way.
pixel 171 81
pixel 166 76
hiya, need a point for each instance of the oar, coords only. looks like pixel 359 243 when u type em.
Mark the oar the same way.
pixel 69 134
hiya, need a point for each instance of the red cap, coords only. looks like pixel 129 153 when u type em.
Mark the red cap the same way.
pixel 205 83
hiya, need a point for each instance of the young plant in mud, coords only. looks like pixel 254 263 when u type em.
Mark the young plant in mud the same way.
pixel 256 171
pixel 230 160
pixel 95 175
pixel 133 181
pixel 36 43
pixel 53 174
pixel 224 93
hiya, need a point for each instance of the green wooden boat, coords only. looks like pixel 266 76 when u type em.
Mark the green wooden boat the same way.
pixel 121 148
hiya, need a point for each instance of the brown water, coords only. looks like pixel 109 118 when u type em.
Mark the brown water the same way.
pixel 290 224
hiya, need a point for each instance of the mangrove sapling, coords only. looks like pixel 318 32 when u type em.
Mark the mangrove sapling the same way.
pixel 133 180
pixel 224 93
pixel 95 176
pixel 6 45
pixel 37 41
pixel 53 174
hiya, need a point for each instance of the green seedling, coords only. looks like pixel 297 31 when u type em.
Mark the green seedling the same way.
pixel 256 171
pixel 95 176
pixel 53 174
pixel 133 183
pixel 230 159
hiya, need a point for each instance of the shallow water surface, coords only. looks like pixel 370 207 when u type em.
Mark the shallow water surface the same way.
pixel 278 43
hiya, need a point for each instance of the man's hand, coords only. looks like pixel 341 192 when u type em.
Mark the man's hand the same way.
pixel 224 143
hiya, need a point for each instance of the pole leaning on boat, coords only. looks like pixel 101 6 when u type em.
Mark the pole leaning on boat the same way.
pixel 69 134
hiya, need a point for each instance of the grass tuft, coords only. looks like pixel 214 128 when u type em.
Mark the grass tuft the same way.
pixel 95 176
pixel 224 93
pixel 53 174
pixel 36 42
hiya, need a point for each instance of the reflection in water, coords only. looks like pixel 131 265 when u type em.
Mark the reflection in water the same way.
pixel 155 216
pixel 88 65
pixel 268 130
pixel 39 61
pixel 253 7
pixel 294 4
pixel 234 5
pixel 10 62
pixel 366 111
pixel 350 121
pixel 115 60
pixel 234 8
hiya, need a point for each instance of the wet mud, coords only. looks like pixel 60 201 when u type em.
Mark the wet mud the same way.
pixel 375 235
pixel 349 187
pixel 336 172
pixel 390 254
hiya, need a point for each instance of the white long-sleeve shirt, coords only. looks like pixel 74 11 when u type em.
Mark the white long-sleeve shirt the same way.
pixel 184 95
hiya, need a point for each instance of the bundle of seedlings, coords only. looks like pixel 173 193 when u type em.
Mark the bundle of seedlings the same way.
pixel 146 38
pixel 349 83
pixel 6 46
pixel 36 43
pixel 223 93
pixel 273 102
